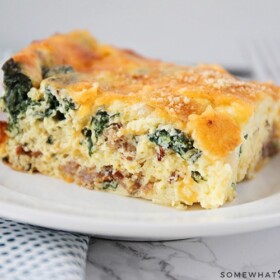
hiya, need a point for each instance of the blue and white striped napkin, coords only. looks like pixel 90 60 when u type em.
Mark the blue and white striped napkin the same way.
pixel 29 252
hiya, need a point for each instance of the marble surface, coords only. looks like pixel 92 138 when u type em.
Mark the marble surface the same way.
pixel 195 258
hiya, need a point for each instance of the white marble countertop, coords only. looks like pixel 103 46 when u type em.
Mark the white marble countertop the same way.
pixel 195 258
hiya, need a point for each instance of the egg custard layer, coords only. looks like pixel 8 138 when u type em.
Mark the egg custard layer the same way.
pixel 111 120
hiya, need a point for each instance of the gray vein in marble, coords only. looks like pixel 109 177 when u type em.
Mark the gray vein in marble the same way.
pixel 157 259
pixel 194 258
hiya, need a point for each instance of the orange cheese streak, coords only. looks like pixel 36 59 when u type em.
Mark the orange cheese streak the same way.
pixel 3 136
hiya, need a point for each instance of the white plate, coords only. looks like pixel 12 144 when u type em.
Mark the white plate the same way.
pixel 49 202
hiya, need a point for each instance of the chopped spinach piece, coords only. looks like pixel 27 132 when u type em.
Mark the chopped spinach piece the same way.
pixel 57 70
pixel 195 154
pixel 180 143
pixel 110 184
pixel 161 138
pixel 13 127
pixel 246 136
pixel 17 85
pixel 69 105
pixel 240 150
pixel 233 185
pixel 197 177
pixel 34 103
pixel 50 140
pixel 175 140
pixel 100 121
pixel 87 134
pixel 5 159
pixel 59 116
pixel 52 103
pixel 48 113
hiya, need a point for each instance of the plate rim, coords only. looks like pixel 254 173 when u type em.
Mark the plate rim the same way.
pixel 126 231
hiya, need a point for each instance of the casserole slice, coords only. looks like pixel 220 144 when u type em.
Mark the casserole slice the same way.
pixel 111 120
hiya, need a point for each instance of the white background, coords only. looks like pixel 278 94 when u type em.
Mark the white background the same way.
pixel 215 31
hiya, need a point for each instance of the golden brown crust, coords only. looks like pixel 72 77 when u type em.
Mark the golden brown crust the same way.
pixel 104 74
pixel 216 132
pixel 77 49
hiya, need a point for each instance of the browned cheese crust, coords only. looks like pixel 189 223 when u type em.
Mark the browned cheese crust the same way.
pixel 175 91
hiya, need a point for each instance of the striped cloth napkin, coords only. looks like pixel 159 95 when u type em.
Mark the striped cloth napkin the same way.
pixel 29 252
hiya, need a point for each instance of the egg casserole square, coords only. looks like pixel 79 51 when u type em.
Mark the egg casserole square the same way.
pixel 112 120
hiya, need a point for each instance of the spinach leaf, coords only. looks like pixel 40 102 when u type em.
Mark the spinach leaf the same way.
pixel 69 105
pixel 180 143
pixel 87 134
pixel 194 155
pixel 176 141
pixel 197 177
pixel 240 151
pixel 110 184
pixel 161 138
pixel 13 127
pixel 17 85
pixel 50 140
pixel 100 121
pixel 52 103
pixel 5 159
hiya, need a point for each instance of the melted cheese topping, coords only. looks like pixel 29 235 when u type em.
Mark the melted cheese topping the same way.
pixel 141 96
pixel 105 74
